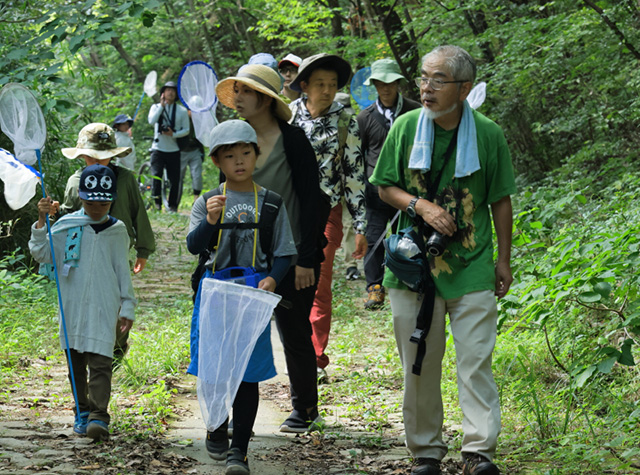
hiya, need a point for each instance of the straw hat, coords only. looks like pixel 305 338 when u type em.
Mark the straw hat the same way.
pixel 331 62
pixel 97 141
pixel 258 77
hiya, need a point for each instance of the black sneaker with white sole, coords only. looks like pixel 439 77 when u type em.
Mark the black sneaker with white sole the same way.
pixel 300 422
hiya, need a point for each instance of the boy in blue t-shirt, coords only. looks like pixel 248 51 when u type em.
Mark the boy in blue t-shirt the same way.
pixel 234 149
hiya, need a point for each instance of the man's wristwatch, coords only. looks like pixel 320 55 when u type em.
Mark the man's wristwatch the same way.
pixel 411 209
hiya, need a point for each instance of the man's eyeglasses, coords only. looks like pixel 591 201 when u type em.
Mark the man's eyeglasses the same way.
pixel 436 84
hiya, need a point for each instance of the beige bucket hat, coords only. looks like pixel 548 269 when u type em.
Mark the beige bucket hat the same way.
pixel 97 141
pixel 260 78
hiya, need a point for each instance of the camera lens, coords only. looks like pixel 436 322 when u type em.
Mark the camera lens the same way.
pixel 436 244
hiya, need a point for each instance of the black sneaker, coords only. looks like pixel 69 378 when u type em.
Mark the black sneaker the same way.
pixel 217 442
pixel 300 422
pixel 237 462
pixel 426 466
pixel 476 464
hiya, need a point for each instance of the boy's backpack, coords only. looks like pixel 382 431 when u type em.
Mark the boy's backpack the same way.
pixel 268 213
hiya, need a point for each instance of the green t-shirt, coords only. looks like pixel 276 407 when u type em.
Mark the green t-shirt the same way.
pixel 467 263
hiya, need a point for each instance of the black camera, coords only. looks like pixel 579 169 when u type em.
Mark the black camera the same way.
pixel 162 128
pixel 436 244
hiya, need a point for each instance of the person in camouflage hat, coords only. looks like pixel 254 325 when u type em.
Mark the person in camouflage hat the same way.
pixel 97 141
pixel 97 145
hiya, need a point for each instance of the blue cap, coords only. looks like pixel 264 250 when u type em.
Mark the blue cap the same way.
pixel 122 119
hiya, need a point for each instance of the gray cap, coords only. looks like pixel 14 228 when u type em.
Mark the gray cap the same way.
pixel 169 84
pixel 231 132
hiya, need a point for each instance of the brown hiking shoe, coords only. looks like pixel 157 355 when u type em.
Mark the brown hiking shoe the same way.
pixel 476 464
pixel 376 296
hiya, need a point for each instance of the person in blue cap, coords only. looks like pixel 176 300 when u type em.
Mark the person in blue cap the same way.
pixel 92 257
pixel 221 225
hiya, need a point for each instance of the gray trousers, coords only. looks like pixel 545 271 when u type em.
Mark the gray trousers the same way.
pixel 192 158
pixel 473 320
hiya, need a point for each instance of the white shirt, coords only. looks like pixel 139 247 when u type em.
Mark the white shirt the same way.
pixel 163 142
pixel 123 140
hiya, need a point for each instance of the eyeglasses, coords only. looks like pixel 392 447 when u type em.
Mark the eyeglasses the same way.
pixel 436 84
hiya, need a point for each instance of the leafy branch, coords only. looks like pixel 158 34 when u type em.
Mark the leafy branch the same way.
pixel 613 27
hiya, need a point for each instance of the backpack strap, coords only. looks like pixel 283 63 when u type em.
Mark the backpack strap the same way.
pixel 268 214
pixel 214 237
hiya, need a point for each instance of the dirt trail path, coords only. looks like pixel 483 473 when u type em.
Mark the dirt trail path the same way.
pixel 36 426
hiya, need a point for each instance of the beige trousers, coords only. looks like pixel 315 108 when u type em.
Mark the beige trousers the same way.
pixel 473 324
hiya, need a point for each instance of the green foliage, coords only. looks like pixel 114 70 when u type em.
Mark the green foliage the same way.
pixel 578 259
pixel 147 416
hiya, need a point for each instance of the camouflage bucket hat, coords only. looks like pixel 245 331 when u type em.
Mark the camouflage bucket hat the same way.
pixel 97 141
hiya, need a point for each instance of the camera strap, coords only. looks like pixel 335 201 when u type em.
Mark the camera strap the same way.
pixel 433 185
pixel 171 119
pixel 428 294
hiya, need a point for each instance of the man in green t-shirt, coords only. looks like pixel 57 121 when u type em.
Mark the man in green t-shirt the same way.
pixel 450 166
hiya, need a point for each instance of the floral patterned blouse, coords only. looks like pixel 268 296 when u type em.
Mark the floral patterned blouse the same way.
pixel 341 171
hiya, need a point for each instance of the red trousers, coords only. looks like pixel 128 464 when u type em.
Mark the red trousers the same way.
pixel 320 315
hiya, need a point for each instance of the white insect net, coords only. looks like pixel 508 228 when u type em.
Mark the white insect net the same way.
pixel 22 120
pixel 232 317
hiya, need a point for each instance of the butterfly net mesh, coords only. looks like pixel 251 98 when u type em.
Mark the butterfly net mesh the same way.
pixel 232 317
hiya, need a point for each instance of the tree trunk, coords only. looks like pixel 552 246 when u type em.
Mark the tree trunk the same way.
pixel 478 23
pixel 404 50
pixel 336 20
pixel 206 34
pixel 247 36
pixel 131 62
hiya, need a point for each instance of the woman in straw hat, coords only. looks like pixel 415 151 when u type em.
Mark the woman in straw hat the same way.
pixel 287 165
